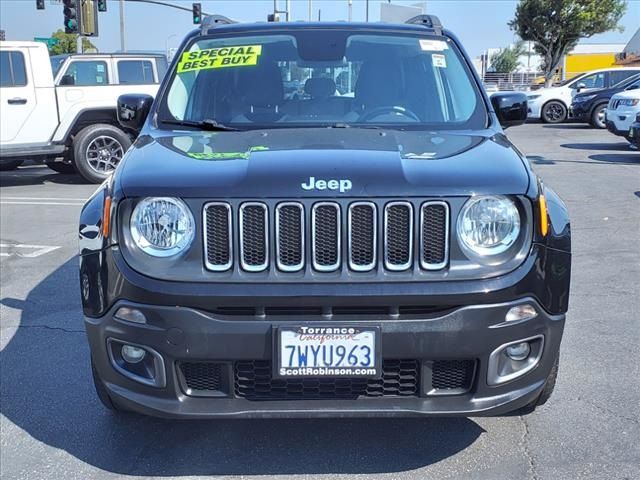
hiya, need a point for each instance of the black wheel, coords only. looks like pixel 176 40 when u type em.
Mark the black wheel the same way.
pixel 97 151
pixel 554 112
pixel 549 386
pixel 597 116
pixel 62 167
pixel 101 390
pixel 10 165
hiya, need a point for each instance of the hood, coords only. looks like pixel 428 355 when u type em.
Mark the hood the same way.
pixel 302 162
pixel 548 92
pixel 627 94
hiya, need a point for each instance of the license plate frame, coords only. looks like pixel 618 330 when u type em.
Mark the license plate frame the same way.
pixel 375 371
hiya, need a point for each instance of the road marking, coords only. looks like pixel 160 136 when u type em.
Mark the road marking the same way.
pixel 38 250
pixel 76 204
pixel 64 199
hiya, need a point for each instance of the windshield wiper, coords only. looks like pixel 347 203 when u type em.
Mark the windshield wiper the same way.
pixel 206 124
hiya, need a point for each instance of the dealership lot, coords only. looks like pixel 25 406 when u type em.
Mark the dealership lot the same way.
pixel 54 427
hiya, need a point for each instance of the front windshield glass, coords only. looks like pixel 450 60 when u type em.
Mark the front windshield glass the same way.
pixel 322 78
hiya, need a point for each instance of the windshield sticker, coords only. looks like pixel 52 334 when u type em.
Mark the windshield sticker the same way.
pixel 227 155
pixel 240 56
pixel 439 61
pixel 433 45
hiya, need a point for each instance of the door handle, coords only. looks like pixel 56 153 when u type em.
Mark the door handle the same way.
pixel 17 101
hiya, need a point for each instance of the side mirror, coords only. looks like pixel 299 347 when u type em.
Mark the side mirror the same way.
pixel 133 110
pixel 67 80
pixel 580 86
pixel 511 108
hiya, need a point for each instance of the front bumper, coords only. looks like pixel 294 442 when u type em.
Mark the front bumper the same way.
pixel 181 334
pixel 580 112
pixel 534 109
pixel 619 121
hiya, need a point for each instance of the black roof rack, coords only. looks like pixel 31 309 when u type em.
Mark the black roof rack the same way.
pixel 430 21
pixel 211 21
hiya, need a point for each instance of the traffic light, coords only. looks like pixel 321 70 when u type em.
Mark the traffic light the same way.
pixel 102 5
pixel 88 17
pixel 197 13
pixel 39 4
pixel 71 14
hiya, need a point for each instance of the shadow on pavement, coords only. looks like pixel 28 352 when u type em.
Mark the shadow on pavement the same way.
pixel 569 126
pixel 47 392
pixel 599 146
pixel 38 176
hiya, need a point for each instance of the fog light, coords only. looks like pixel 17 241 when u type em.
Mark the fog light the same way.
pixel 519 351
pixel 521 312
pixel 131 354
pixel 130 315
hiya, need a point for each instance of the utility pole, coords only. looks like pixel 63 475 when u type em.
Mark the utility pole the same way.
pixel 366 15
pixel 288 8
pixel 123 46
pixel 310 10
pixel 350 7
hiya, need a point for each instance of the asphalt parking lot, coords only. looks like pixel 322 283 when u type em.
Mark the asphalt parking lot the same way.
pixel 52 425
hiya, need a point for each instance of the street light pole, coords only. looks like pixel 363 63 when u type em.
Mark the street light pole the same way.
pixel 350 3
pixel 122 42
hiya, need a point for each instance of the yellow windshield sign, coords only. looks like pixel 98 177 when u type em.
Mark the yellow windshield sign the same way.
pixel 240 56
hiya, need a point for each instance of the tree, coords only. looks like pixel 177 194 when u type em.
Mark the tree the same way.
pixel 508 59
pixel 556 26
pixel 68 43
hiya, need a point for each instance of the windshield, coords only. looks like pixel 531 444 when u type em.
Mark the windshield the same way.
pixel 323 78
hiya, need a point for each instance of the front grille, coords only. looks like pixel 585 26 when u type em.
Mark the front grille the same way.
pixel 452 374
pixel 253 380
pixel 217 245
pixel 202 376
pixel 362 236
pixel 377 236
pixel 398 226
pixel 326 236
pixel 434 227
pixel 254 236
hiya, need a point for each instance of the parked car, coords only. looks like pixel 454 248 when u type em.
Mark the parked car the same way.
pixel 590 106
pixel 552 104
pixel 68 120
pixel 388 252
pixel 634 133
pixel 621 112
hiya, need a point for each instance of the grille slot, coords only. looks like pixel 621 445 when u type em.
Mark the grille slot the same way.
pixel 434 235
pixel 218 243
pixel 254 238
pixel 202 376
pixel 253 380
pixel 325 233
pixel 290 236
pixel 362 236
pixel 452 376
pixel 398 235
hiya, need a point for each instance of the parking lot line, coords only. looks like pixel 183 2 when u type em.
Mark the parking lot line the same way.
pixel 37 250
pixel 11 202
pixel 3 198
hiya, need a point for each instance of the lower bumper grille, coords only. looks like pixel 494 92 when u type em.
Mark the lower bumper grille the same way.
pixel 253 381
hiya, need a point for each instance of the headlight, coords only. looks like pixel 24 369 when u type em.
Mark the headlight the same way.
pixel 629 102
pixel 586 98
pixel 487 227
pixel 162 226
pixel 532 97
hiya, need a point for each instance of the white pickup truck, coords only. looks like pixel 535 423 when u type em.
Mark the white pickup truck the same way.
pixel 62 110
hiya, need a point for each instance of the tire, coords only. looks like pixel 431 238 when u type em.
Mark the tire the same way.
pixel 97 151
pixel 597 116
pixel 10 165
pixel 62 167
pixel 102 393
pixel 545 395
pixel 554 112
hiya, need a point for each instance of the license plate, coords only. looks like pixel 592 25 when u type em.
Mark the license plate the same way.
pixel 326 351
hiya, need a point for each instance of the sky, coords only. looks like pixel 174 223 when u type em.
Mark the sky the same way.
pixel 479 24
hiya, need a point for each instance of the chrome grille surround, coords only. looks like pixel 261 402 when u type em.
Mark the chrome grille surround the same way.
pixel 393 239
pixel 319 231
pixel 251 246
pixel 217 267
pixel 280 238
pixel 424 230
pixel 353 263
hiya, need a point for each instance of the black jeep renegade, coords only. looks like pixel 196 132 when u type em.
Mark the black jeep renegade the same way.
pixel 367 243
